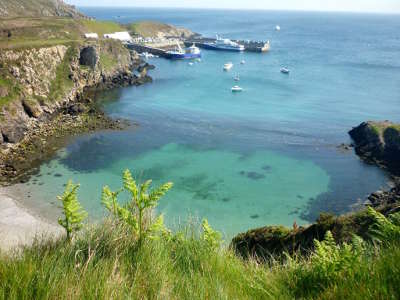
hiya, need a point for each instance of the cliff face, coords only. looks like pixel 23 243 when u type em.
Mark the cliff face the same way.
pixel 38 82
pixel 379 143
pixel 37 8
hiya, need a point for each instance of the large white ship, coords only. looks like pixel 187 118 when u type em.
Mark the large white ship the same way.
pixel 224 44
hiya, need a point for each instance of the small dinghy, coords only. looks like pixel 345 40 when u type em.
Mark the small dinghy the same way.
pixel 285 70
pixel 236 78
pixel 228 66
pixel 236 89
pixel 242 62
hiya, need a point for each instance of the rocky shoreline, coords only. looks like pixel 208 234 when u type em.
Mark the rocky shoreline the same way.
pixel 20 160
pixel 31 131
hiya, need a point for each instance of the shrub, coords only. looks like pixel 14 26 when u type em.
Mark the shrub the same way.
pixel 73 212
pixel 384 230
pixel 141 202
pixel 328 263
pixel 210 236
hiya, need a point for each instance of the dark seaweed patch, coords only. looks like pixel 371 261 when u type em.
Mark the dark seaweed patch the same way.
pixel 252 175
pixel 266 168
pixel 255 175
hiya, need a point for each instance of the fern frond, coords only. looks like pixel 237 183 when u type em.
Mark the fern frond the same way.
pixel 130 183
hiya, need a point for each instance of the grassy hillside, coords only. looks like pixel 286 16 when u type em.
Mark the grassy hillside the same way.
pixel 101 27
pixel 107 262
pixel 154 29
pixel 39 32
pixel 37 8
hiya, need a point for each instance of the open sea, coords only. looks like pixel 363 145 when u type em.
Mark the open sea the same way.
pixel 265 156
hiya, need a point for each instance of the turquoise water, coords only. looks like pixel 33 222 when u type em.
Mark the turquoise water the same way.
pixel 265 156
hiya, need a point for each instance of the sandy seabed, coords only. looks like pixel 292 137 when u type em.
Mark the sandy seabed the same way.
pixel 19 226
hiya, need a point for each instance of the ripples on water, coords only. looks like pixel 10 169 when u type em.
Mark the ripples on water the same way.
pixel 265 156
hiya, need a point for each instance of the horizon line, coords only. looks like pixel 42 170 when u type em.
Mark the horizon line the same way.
pixel 247 9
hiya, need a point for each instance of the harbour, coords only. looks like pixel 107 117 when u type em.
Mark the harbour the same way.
pixel 164 49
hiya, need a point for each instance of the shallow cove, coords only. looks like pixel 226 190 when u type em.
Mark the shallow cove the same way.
pixel 265 156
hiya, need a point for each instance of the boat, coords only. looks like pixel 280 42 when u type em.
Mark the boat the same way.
pixel 146 55
pixel 277 28
pixel 228 66
pixel 192 52
pixel 285 70
pixel 190 64
pixel 242 62
pixel 224 44
pixel 236 89
pixel 236 78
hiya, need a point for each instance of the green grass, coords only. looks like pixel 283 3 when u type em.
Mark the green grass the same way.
pixel 107 61
pixel 106 262
pixel 102 27
pixel 39 32
pixel 11 88
pixel 62 82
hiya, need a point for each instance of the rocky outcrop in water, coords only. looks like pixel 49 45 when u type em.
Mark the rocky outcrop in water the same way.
pixel 378 143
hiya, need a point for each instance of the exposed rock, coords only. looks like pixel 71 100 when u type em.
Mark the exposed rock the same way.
pixel 88 56
pixel 34 69
pixel 274 241
pixel 13 132
pixel 3 91
pixel 76 109
pixel 43 8
pixel 345 147
pixel 145 67
pixel 379 143
pixel 32 108
pixel 382 198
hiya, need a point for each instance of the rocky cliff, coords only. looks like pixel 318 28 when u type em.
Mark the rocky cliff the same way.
pixel 37 84
pixel 378 143
pixel 37 8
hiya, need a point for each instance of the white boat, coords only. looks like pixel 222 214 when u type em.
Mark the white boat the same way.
pixel 242 62
pixel 278 28
pixel 237 77
pixel 192 52
pixel 228 66
pixel 224 44
pixel 285 70
pixel 236 89
pixel 190 64
pixel 145 55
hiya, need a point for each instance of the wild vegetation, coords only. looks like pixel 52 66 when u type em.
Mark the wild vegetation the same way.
pixel 132 255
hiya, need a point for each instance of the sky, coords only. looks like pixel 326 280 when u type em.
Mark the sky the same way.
pixel 386 6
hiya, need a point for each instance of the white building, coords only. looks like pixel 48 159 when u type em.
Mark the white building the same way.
pixel 123 36
pixel 91 36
